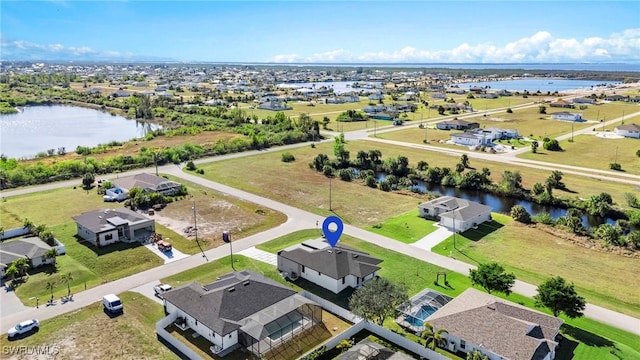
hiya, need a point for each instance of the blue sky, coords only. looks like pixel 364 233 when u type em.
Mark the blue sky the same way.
pixel 322 31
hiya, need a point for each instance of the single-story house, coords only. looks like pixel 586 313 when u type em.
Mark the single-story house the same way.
pixel 30 248
pixel 499 329
pixel 562 104
pixel 107 226
pixel 454 213
pixel 334 269
pixel 584 100
pixel 470 139
pixel 120 93
pixel 274 105
pixel 499 133
pixel 616 98
pixel 382 116
pixel 628 130
pixel 242 309
pixel 567 116
pixel 147 182
pixel 489 95
pixel 438 95
pixel 456 124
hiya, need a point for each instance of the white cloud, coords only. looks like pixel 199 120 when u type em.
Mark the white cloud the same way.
pixel 540 47
pixel 20 50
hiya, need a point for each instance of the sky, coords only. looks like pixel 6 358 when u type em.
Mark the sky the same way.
pixel 322 31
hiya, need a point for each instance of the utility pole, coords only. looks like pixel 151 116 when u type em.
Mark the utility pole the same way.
pixel 227 238
pixel 330 209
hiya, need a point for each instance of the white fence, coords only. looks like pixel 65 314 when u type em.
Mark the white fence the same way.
pixel 177 344
pixel 331 307
pixel 9 233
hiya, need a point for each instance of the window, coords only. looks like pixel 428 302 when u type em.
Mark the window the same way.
pixel 302 268
pixel 462 344
pixel 229 336
pixel 343 280
pixel 319 273
pixel 108 237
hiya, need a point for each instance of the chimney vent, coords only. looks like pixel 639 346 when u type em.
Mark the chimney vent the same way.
pixel 232 289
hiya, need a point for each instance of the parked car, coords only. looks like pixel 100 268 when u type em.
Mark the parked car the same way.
pixel 164 245
pixel 161 289
pixel 24 327
pixel 112 303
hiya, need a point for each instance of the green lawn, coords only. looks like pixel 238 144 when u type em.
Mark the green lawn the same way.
pixel 88 266
pixel 604 279
pixel 408 227
pixel 581 152
pixel 90 331
pixel 612 343
pixel 52 207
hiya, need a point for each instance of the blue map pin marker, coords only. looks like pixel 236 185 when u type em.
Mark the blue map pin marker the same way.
pixel 332 236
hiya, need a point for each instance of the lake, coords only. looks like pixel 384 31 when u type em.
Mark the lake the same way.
pixel 542 84
pixel 39 128
pixel 339 87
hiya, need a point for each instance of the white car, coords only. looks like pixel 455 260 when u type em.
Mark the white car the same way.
pixel 161 289
pixel 23 328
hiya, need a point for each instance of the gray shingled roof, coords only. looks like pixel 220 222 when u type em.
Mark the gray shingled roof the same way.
pixel 31 247
pixel 335 263
pixel 106 219
pixel 145 181
pixel 460 209
pixel 222 305
pixel 507 329
pixel 629 127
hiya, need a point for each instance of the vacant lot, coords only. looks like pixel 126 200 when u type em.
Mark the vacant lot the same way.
pixel 594 152
pixel 296 184
pixel 534 255
pixel 90 334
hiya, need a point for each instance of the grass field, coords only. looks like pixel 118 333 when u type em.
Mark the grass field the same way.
pixel 92 334
pixel 88 266
pixel 594 152
pixel 408 227
pixel 591 339
pixel 297 185
pixel 604 279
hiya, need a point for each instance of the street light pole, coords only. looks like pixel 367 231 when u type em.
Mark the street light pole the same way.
pixel 330 209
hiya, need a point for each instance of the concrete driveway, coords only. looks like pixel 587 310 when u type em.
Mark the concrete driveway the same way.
pixel 10 302
pixel 430 241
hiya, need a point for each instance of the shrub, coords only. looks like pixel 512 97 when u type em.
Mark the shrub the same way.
pixel 346 174
pixel 520 214
pixel 552 145
pixel 327 170
pixel 615 166
pixel 288 157
pixel 543 218
pixel 200 171
pixel 191 166
pixel 509 111
pixel 384 185
pixel 371 181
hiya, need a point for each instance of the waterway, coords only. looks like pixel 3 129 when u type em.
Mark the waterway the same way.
pixel 542 85
pixel 339 87
pixel 501 204
pixel 36 129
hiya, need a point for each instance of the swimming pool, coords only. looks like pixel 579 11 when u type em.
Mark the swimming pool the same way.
pixel 417 318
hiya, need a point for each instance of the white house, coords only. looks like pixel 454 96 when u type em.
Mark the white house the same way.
pixel 334 269
pixel 274 105
pixel 567 116
pixel 470 139
pixel 107 226
pixel 499 329
pixel 628 130
pixel 456 124
pixel 148 182
pixel 454 213
pixel 30 248
pixel 241 309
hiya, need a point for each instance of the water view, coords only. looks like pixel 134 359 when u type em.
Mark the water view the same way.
pixel 339 87
pixel 36 129
pixel 541 84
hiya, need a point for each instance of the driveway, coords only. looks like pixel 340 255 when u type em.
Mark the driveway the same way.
pixel 433 239
pixel 167 256
pixel 10 302
pixel 260 255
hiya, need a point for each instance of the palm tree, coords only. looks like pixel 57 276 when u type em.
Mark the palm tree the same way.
pixel 12 271
pixel 476 355
pixel 433 338
pixel 51 254
pixel 67 278
pixel 22 265
pixel 50 286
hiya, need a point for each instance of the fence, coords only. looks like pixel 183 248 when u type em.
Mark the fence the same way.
pixel 175 343
pixel 331 307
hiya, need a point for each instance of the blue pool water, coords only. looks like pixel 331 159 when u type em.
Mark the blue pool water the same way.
pixel 418 318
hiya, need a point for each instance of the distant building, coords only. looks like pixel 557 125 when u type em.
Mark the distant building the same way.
pixel 628 130
pixel 562 104
pixel 567 116
pixel 456 124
